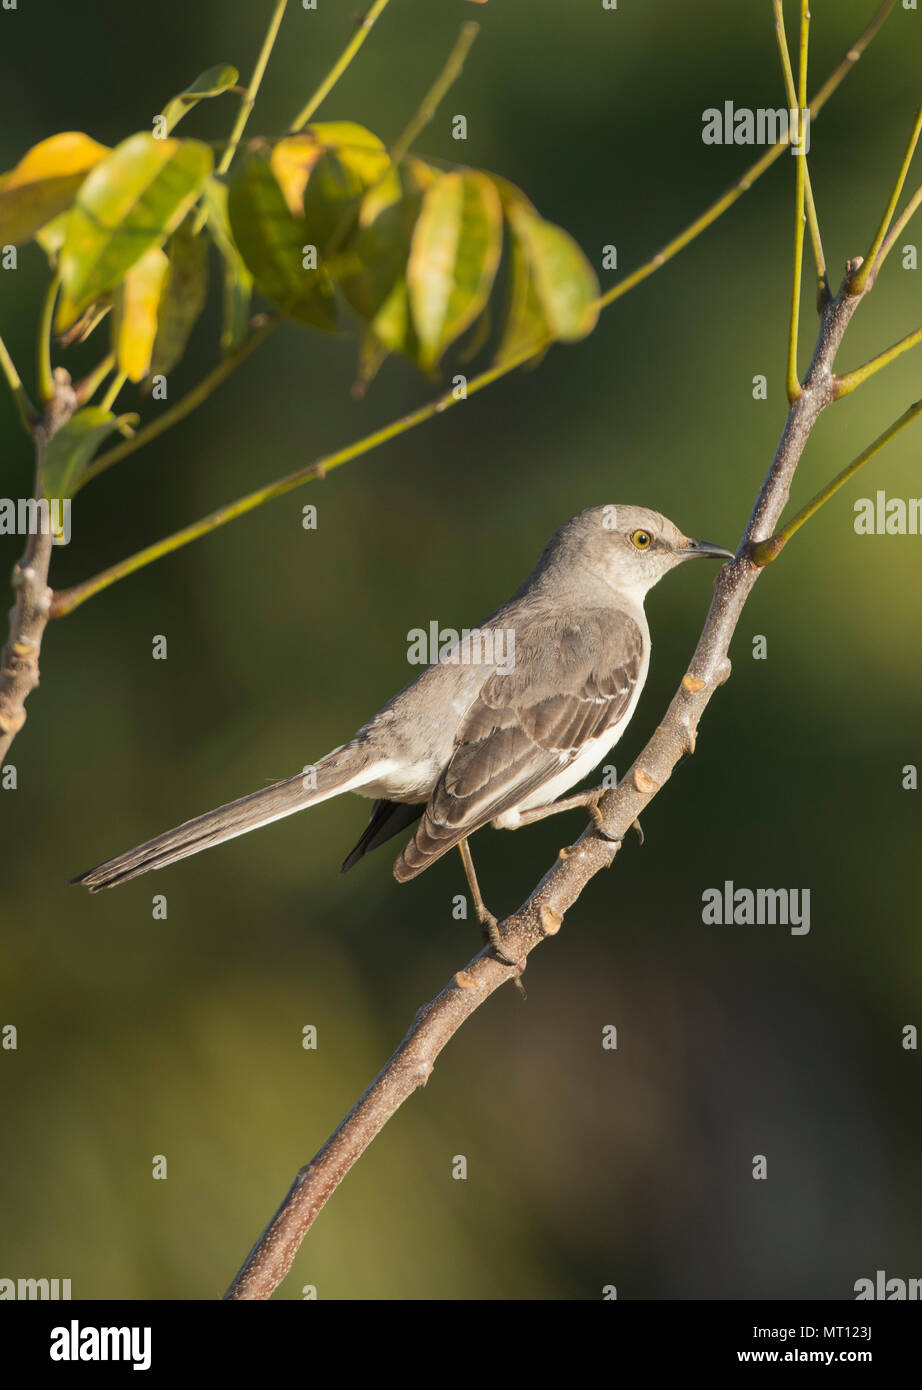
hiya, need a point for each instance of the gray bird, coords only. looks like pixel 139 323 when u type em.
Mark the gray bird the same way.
pixel 477 736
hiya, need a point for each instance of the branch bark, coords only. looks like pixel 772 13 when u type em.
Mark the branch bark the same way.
pixel 542 914
pixel 32 605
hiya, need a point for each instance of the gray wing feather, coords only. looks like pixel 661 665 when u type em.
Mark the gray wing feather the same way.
pixel 571 682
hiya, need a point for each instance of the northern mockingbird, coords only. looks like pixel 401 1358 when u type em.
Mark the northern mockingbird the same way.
pixel 474 738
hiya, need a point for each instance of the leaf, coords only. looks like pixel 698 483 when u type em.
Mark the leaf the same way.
pixel 183 297
pixel 238 282
pixel 52 236
pixel 525 322
pixel 561 278
pixel 324 174
pixel 134 323
pixel 44 183
pixel 210 83
pixel 131 201
pixel 69 451
pixel 376 288
pixel 271 242
pixel 453 258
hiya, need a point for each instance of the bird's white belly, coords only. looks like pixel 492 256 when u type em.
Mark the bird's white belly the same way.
pixel 572 773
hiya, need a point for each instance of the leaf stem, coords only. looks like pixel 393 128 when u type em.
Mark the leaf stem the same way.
pixel 182 408
pixel 812 219
pixel 68 599
pixel 431 101
pixel 766 551
pixel 46 386
pixel 339 67
pixel 846 383
pixel 26 411
pixel 116 384
pixel 794 387
pixel 859 281
pixel 246 106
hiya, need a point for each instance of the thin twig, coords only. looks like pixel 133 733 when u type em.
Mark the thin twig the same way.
pixel 899 225
pixel 766 551
pixel 846 383
pixel 793 381
pixel 871 262
pixel 24 407
pixel 339 67
pixel 183 407
pixel 249 101
pixel 812 219
pixel 433 98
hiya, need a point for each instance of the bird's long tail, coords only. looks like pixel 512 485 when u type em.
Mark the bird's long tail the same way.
pixel 345 769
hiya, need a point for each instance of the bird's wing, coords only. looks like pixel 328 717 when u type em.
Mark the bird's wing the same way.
pixel 571 682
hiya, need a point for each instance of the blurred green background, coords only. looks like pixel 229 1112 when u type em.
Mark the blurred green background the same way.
pixel 586 1167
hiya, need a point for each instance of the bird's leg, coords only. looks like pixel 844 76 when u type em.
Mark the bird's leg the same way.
pixel 588 800
pixel 488 922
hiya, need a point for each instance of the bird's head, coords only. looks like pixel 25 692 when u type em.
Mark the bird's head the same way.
pixel 629 548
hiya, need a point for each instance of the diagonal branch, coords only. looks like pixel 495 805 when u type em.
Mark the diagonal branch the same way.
pixel 542 914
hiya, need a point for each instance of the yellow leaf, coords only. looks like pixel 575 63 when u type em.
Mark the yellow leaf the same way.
pixel 44 183
pixel 134 327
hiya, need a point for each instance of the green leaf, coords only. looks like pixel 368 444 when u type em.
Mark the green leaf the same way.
pixel 69 452
pixel 210 83
pixel 53 235
pixel 137 304
pixel 562 280
pixel 376 285
pixel 238 282
pixel 132 200
pixel 525 323
pixel 272 243
pixel 324 173
pixel 453 258
pixel 183 297
pixel 44 183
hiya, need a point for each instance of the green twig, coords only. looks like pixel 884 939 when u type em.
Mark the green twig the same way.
pixel 793 380
pixel 69 599
pixel 183 407
pixel 45 374
pixel 116 384
pixel 86 389
pixel 246 106
pixel 766 551
pixel 431 101
pixel 812 219
pixel 339 67
pixel 872 262
pixel 899 225
pixel 846 383
pixel 26 411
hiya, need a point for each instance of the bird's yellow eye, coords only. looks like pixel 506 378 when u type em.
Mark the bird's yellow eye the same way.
pixel 642 539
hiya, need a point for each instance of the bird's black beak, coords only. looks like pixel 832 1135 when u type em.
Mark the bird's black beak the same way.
pixel 705 549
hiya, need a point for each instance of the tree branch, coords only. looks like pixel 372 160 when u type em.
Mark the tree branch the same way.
pixel 32 603
pixel 542 914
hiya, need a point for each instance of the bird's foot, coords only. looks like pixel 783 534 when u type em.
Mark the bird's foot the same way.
pixel 595 815
pixel 493 938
